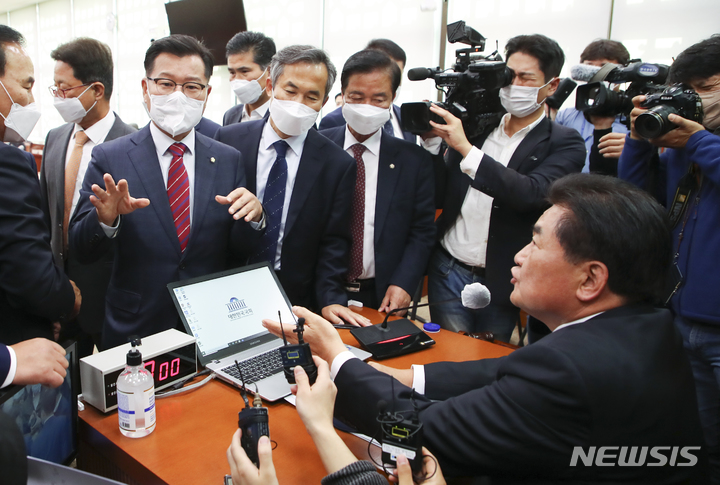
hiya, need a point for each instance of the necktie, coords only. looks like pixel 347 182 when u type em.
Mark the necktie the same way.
pixel 273 202
pixel 388 128
pixel 357 222
pixel 178 191
pixel 71 173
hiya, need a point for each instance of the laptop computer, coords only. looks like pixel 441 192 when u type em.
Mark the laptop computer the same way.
pixel 224 311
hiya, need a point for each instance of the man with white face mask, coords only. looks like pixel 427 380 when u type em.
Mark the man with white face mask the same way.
pixel 495 189
pixel 33 291
pixel 177 227
pixel 248 60
pixel 305 181
pixel 83 85
pixel 393 215
pixel 689 186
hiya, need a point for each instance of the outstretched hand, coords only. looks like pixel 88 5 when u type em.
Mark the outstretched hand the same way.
pixel 114 200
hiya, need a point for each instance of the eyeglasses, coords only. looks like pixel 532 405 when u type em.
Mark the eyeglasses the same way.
pixel 168 86
pixel 62 93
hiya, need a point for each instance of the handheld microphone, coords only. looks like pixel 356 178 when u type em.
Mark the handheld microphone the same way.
pixel 420 73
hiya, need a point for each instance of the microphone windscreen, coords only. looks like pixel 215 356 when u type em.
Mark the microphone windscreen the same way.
pixel 475 295
pixel 583 72
pixel 419 73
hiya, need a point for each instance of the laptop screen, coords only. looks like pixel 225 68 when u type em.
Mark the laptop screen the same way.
pixel 224 311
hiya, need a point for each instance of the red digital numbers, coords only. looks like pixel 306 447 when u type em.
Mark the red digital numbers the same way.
pixel 166 369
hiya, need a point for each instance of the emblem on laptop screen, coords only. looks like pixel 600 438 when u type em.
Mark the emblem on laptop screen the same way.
pixel 237 309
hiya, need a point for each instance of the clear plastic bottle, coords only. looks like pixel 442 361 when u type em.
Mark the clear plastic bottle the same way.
pixel 136 396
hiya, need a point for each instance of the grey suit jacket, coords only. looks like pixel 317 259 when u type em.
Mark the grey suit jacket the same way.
pixel 233 115
pixel 92 279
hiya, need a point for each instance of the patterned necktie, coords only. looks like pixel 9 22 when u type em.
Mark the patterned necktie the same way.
pixel 178 190
pixel 388 128
pixel 71 173
pixel 357 222
pixel 273 202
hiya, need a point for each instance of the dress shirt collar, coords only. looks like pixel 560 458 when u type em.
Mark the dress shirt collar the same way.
pixel 99 131
pixel 523 131
pixel 294 142
pixel 258 113
pixel 372 144
pixel 163 142
pixel 579 320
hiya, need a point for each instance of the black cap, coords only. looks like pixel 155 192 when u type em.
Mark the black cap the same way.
pixel 134 357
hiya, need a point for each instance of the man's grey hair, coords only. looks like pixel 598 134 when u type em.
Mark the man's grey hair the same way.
pixel 295 54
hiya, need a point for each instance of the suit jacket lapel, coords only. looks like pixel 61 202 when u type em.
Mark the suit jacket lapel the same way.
pixel 308 171
pixel 527 146
pixel 117 130
pixel 205 172
pixel 144 158
pixel 250 155
pixel 55 170
pixel 387 179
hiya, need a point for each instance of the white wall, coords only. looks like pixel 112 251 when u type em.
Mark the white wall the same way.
pixel 655 30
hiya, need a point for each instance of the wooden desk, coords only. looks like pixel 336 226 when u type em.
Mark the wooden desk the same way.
pixel 194 429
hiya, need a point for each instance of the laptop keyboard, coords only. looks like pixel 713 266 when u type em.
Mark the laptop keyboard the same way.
pixel 257 368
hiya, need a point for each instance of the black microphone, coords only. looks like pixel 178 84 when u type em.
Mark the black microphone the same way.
pixel 637 71
pixel 474 296
pixel 565 87
pixel 420 73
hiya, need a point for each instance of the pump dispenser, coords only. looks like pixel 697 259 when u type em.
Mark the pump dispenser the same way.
pixel 136 396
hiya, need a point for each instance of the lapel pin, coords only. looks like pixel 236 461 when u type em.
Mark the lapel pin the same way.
pixel 212 159
pixel 392 165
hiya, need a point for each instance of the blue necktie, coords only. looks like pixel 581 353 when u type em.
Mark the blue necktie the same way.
pixel 273 202
pixel 388 128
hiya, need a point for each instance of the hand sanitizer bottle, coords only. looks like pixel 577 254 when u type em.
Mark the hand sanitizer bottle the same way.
pixel 136 396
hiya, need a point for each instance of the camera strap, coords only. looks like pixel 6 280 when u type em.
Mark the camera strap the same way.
pixel 604 70
pixel 690 182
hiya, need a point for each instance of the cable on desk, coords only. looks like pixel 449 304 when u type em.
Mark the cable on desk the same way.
pixel 184 389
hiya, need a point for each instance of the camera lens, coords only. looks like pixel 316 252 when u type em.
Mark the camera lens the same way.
pixel 654 122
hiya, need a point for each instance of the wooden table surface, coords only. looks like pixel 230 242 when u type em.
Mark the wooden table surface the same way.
pixel 194 428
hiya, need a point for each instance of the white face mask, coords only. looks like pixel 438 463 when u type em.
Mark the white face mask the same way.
pixel 72 109
pixel 247 92
pixel 291 117
pixel 175 113
pixel 521 101
pixel 20 121
pixel 365 119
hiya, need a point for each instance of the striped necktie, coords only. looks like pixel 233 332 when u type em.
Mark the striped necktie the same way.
pixel 178 190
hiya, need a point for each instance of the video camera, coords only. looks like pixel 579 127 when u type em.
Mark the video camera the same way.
pixel 596 99
pixel 471 91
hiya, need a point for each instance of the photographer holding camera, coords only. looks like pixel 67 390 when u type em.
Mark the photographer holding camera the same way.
pixel 689 186
pixel 604 135
pixel 495 188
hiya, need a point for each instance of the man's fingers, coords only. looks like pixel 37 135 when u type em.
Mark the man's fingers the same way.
pixel 403 470
pixel 301 379
pixel 139 203
pixel 265 456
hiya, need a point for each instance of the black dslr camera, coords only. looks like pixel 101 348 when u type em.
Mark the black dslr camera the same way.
pixel 596 99
pixel 676 99
pixel 471 91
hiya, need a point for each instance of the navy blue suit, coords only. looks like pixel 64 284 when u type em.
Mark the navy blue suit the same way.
pixel 4 362
pixel 404 212
pixel 33 291
pixel 336 118
pixel 147 250
pixel 207 127
pixel 316 241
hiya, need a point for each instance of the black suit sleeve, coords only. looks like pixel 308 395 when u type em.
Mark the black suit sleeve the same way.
pixel 244 237
pixel 524 192
pixel 29 277
pixel 334 253
pixel 526 420
pixel 444 380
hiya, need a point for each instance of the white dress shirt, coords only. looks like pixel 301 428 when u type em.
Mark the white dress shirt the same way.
pixel 266 159
pixel 257 114
pixel 371 159
pixel 467 238
pixel 13 368
pixel 96 135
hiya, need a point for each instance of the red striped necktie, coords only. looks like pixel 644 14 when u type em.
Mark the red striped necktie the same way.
pixel 178 190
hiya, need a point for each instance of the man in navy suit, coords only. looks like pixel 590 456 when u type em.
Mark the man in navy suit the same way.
pixel 393 127
pixel 248 61
pixel 611 382
pixel 393 217
pixel 177 227
pixel 495 189
pixel 309 178
pixel 33 291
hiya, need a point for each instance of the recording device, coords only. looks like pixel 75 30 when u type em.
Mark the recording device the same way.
pixel 399 337
pixel 252 421
pixel 471 90
pixel 299 354
pixel 676 99
pixel 565 87
pixel 400 435
pixel 596 99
